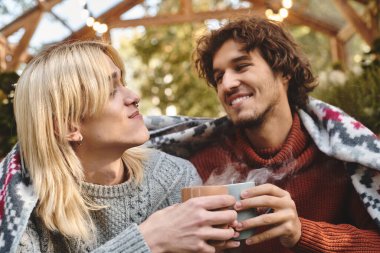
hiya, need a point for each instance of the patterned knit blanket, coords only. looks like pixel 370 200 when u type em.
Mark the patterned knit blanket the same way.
pixel 334 132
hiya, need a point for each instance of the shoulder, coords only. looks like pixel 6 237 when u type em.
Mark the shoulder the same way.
pixel 165 167
pixel 159 160
pixel 213 155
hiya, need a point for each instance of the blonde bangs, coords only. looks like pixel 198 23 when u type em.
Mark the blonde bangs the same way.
pixel 87 73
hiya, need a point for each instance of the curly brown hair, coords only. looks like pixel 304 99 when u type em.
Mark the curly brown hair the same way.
pixel 276 46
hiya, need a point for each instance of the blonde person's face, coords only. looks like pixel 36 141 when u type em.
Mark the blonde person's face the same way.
pixel 247 88
pixel 120 125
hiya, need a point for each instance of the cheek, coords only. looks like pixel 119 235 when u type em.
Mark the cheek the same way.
pixel 220 95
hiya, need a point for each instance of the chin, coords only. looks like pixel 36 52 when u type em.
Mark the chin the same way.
pixel 248 121
pixel 142 137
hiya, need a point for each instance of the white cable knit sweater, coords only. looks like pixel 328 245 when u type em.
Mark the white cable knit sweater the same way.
pixel 128 205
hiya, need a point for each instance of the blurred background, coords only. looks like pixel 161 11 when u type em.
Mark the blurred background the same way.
pixel 156 39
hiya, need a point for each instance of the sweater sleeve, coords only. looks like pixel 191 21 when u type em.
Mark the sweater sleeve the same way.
pixel 362 236
pixel 325 237
pixel 128 241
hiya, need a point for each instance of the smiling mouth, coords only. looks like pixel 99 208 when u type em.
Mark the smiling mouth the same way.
pixel 239 99
pixel 134 114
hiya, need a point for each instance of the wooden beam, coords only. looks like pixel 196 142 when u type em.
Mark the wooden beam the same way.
pixel 4 51
pixel 24 42
pixel 114 13
pixel 180 18
pixel 374 16
pixel 295 18
pixel 365 2
pixel 346 33
pixel 186 7
pixel 107 36
pixel 338 51
pixel 61 21
pixel 298 18
pixel 24 19
pixel 355 20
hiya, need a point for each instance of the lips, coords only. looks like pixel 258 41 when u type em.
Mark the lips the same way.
pixel 134 115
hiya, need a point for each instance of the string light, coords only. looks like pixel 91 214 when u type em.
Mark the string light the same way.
pixel 287 4
pixel 282 12
pixel 98 27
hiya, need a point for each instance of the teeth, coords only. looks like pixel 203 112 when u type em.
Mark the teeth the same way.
pixel 237 100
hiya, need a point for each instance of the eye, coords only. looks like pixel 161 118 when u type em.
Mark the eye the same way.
pixel 113 93
pixel 218 78
pixel 241 67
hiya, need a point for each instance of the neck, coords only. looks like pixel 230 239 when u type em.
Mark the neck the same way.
pixel 273 131
pixel 102 169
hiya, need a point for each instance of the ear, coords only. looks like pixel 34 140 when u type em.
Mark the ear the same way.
pixel 74 135
pixel 285 81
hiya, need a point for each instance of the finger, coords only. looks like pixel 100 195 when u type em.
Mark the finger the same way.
pixel 263 220
pixel 217 244
pixel 224 217
pixel 205 248
pixel 264 189
pixel 218 234
pixel 227 245
pixel 212 202
pixel 231 244
pixel 267 201
pixel 266 235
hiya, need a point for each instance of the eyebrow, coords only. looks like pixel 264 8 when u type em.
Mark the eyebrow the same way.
pixel 241 58
pixel 234 60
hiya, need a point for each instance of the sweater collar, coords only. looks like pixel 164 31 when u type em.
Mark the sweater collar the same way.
pixel 293 154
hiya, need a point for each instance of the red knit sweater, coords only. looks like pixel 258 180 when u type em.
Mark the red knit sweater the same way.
pixel 332 215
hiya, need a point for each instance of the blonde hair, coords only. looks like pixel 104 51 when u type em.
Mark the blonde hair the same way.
pixel 60 87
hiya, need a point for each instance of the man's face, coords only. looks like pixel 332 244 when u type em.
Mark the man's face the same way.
pixel 247 88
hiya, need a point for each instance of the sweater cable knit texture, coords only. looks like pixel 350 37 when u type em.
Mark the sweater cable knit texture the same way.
pixel 319 185
pixel 127 204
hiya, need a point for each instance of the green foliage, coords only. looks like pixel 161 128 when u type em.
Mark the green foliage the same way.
pixel 315 45
pixel 169 76
pixel 7 122
pixel 360 95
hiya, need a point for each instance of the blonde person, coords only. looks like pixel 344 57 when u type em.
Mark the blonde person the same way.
pixel 77 182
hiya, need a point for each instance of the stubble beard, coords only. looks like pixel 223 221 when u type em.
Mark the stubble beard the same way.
pixel 257 119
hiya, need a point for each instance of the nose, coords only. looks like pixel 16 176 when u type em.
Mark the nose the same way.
pixel 230 81
pixel 131 98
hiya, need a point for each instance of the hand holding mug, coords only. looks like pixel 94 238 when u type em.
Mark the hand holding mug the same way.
pixel 284 222
pixel 189 226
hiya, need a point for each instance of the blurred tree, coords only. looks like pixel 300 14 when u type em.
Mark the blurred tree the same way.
pixel 359 96
pixel 7 122
pixel 7 80
pixel 165 73
pixel 170 79
pixel 315 45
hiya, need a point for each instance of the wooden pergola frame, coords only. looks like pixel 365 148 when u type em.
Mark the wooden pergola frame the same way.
pixel 366 26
